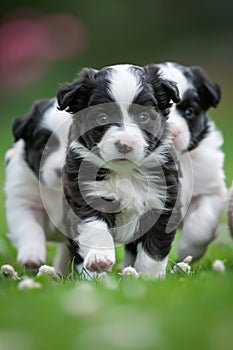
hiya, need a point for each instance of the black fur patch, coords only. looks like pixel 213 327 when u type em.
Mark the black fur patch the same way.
pixel 205 94
pixel 197 120
pixel 35 136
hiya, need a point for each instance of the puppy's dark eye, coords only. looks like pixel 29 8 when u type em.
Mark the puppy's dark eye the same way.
pixel 45 148
pixel 143 118
pixel 189 113
pixel 42 146
pixel 102 119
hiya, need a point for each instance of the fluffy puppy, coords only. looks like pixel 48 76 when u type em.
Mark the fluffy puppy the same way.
pixel 120 175
pixel 33 181
pixel 198 144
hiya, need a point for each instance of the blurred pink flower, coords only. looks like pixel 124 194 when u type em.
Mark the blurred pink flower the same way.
pixel 30 42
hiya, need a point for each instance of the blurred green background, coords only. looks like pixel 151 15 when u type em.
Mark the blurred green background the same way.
pixel 45 43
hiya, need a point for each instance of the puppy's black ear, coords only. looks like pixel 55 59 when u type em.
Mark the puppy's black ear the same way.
pixel 209 92
pixel 19 127
pixel 74 96
pixel 165 90
pixel 22 126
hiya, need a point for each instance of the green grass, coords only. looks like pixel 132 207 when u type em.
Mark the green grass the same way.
pixel 181 312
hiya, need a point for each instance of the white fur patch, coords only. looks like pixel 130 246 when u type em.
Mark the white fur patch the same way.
pixel 24 209
pixel 145 264
pixel 124 85
pixel 179 130
pixel 59 123
pixel 207 155
pixel 94 234
pixel 96 245
pixel 203 193
pixel 131 133
pixel 171 72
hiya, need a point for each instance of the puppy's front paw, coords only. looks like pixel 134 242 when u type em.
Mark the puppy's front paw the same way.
pixel 32 257
pixel 100 260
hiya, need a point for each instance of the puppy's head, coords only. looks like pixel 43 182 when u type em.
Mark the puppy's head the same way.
pixel 119 111
pixel 188 118
pixel 44 131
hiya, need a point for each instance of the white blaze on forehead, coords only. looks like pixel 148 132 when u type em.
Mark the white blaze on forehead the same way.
pixel 171 72
pixel 124 85
pixel 59 121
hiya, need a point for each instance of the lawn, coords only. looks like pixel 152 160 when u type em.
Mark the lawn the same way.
pixel 182 312
pixel 192 311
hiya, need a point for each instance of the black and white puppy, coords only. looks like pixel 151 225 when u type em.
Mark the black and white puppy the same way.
pixel 120 175
pixel 33 180
pixel 198 144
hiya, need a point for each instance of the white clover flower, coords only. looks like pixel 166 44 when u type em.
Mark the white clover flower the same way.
pixel 181 266
pixel 29 283
pixel 130 271
pixel 188 259
pixel 9 272
pixel 218 266
pixel 47 270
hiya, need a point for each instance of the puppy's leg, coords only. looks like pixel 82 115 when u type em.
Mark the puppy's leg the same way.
pixel 152 257
pixel 130 255
pixel 62 259
pixel 27 235
pixel 96 245
pixel 200 225
pixel 151 266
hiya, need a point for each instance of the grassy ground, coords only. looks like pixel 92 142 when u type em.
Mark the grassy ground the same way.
pixel 182 312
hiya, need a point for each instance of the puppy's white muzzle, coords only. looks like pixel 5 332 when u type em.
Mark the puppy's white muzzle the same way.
pixel 123 144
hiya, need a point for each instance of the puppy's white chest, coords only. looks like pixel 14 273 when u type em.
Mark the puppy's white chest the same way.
pixel 126 227
pixel 130 192
pixel 136 196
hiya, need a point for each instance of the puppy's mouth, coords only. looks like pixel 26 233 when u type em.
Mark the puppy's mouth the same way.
pixel 121 164
pixel 119 160
pixel 122 160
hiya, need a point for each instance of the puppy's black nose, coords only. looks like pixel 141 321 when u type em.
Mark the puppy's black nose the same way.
pixel 58 172
pixel 123 147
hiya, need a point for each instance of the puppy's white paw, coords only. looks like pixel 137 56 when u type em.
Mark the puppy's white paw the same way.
pixel 32 257
pixel 100 260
